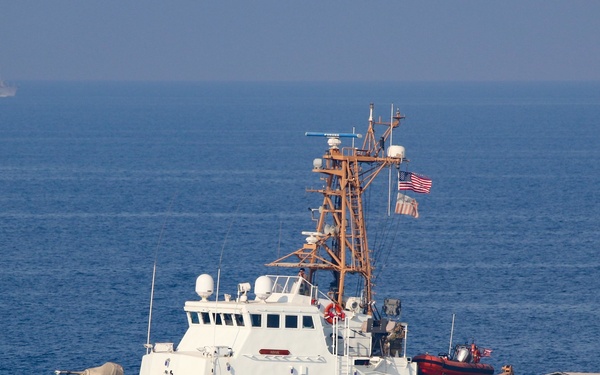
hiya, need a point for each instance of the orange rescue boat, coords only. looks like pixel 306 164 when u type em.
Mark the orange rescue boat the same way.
pixel 465 361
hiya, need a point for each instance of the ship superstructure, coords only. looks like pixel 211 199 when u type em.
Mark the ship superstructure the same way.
pixel 286 324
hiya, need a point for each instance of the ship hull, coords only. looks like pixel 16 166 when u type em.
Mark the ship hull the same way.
pixel 248 364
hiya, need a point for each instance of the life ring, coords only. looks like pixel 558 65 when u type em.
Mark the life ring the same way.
pixel 333 311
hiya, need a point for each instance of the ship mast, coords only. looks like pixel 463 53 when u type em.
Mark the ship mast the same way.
pixel 339 242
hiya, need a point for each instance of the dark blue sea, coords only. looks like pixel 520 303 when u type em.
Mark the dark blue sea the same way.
pixel 98 181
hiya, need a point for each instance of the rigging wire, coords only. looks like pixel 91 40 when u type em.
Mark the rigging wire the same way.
pixel 394 222
pixel 396 231
pixel 391 227
pixel 380 238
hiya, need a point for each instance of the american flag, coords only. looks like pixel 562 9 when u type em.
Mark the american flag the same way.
pixel 406 205
pixel 414 182
pixel 486 352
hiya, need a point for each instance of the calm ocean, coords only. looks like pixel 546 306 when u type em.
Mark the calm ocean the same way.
pixel 97 180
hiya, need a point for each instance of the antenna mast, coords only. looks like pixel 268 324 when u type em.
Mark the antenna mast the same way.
pixel 339 243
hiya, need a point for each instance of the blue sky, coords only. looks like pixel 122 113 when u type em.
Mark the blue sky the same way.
pixel 444 40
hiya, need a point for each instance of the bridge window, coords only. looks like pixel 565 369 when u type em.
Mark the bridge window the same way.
pixel 291 321
pixel 218 319
pixel 194 318
pixel 307 321
pixel 239 320
pixel 205 317
pixel 228 319
pixel 272 321
pixel 256 320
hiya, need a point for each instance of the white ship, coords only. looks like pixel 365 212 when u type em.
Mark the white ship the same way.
pixel 7 90
pixel 286 324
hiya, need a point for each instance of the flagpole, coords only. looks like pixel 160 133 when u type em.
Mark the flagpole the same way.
pixel 390 170
pixel 392 125
pixel 389 208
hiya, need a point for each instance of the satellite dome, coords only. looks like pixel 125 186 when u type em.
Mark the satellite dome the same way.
pixel 263 287
pixel 205 286
pixel 395 151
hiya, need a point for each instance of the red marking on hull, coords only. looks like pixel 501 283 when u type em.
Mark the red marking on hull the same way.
pixel 274 351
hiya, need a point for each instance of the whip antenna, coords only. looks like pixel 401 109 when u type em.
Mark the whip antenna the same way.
pixel 162 230
pixel 219 269
pixel 451 333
